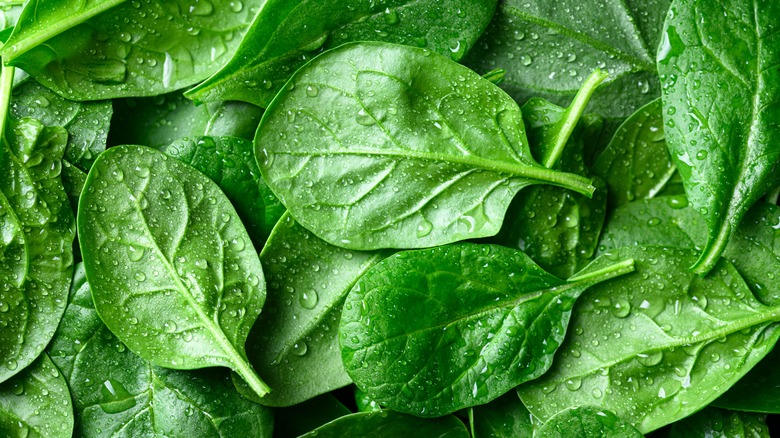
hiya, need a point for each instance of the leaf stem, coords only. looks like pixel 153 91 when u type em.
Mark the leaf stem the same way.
pixel 564 127
pixel 251 378
pixel 6 87
pixel 712 251
pixel 604 274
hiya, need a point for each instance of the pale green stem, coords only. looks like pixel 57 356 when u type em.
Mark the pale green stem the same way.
pixel 6 86
pixel 604 274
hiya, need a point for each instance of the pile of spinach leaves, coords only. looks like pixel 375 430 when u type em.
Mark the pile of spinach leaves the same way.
pixel 482 218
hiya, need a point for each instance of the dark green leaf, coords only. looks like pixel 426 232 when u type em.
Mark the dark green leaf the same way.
pixel 296 340
pixel 101 49
pixel 719 423
pixel 377 145
pixel 116 393
pixel 73 180
pixel 36 403
pixel 173 272
pixel 287 33
pixel 722 108
pixel 385 424
pixel 656 345
pixel 36 256
pixel 758 391
pixel 436 330
pixel 587 422
pixel 636 163
pixel 296 420
pixel 549 48
pixel 230 163
pixel 160 120
pixel 504 417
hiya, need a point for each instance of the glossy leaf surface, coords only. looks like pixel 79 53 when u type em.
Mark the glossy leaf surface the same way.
pixel 173 272
pixel 656 345
pixel 101 49
pixel 296 340
pixel 287 33
pixel 436 330
pixel 549 48
pixel 36 256
pixel 36 403
pixel 587 422
pixel 230 163
pixel 722 109
pixel 719 423
pixel 365 122
pixel 504 417
pixel 388 423
pixel 116 393
pixel 758 390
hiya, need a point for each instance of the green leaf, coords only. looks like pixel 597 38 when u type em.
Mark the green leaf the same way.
pixel 160 120
pixel 757 391
pixel 9 13
pixel 436 330
pixel 719 423
pixel 73 180
pixel 390 424
pixel 636 163
pixel 230 163
pixel 287 33
pixel 102 49
pixel 116 392
pixel 364 403
pixel 296 340
pixel 657 345
pixel 36 256
pixel 504 417
pixel 721 106
pixel 376 145
pixel 36 403
pixel 173 272
pixel 294 421
pixel 586 422
pixel 549 48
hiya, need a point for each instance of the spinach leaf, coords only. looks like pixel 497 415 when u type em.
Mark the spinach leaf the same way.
pixel 436 330
pixel 548 49
pixel 296 340
pixel 586 422
pixel 36 403
pixel 173 272
pixel 376 145
pixel 504 417
pixel 388 423
pixel 365 403
pixel 294 421
pixel 110 48
pixel 757 391
pixel 160 120
pixel 36 256
pixel 719 423
pixel 230 163
pixel 73 180
pixel 636 163
pixel 86 122
pixel 287 33
pixel 117 393
pixel 656 345
pixel 721 107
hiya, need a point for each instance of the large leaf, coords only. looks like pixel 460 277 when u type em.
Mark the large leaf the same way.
pixel 230 163
pixel 636 163
pixel 294 345
pixel 758 390
pixel 286 33
pixel 549 48
pixel 586 422
pixel 656 345
pixel 36 256
pixel 722 108
pixel 719 423
pixel 436 330
pixel 101 49
pixel 390 424
pixel 116 393
pixel 36 403
pixel 173 272
pixel 378 145
pixel 504 417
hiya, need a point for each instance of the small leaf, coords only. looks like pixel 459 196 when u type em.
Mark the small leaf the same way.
pixel 719 423
pixel 586 422
pixel 504 417
pixel 390 424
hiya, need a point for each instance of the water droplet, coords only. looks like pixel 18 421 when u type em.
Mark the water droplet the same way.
pixel 201 264
pixel 118 175
pixel 597 393
pixel 309 299
pixel 236 5
pixel 526 60
pixel 300 348
pixel 312 91
pixel 135 253
pixel 573 384
pixel 202 8
pixel 169 327
pixel 139 276
pixel 4 306
pixel 11 364
pixel 621 308
pixel 365 118
pixel 18 387
pixel 391 17
pixel 424 228
pixel 701 155
pixel 238 243
pixel 650 359
pixel 115 397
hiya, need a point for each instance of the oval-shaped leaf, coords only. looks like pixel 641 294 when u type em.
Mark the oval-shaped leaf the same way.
pixel 36 255
pixel 172 270
pixel 36 403
pixel 388 424
pixel 656 345
pixel 722 106
pixel 101 49
pixel 504 417
pixel 586 422
pixel 757 391
pixel 719 423
pixel 436 330
pixel 117 393
pixel 376 145
pixel 286 33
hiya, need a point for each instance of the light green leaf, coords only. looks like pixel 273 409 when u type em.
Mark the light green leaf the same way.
pixel 586 422
pixel 390 424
